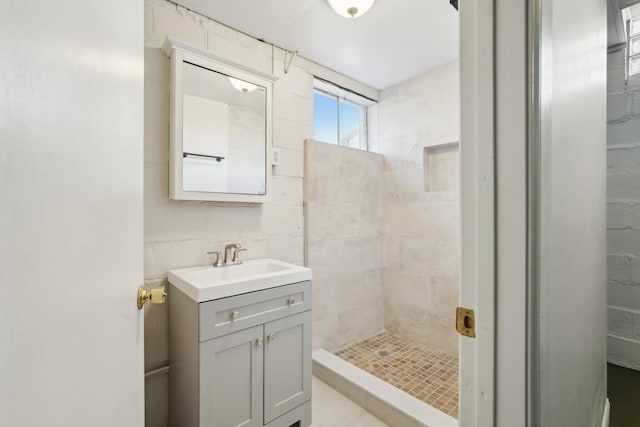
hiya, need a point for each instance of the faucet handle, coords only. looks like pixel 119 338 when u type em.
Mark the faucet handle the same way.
pixel 216 262
pixel 236 257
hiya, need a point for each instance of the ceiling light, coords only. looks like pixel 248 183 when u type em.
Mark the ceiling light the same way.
pixel 351 8
pixel 242 86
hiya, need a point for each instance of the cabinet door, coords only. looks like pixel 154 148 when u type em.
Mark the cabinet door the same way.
pixel 287 364
pixel 231 379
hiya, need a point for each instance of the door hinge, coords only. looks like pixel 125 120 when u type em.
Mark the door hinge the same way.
pixel 465 322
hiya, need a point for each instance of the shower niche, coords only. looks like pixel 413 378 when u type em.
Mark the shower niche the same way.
pixel 440 167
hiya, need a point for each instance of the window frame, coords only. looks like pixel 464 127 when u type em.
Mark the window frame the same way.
pixel 630 15
pixel 631 56
pixel 344 96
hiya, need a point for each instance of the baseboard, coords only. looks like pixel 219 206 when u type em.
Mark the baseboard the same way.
pixel 623 352
pixel 605 416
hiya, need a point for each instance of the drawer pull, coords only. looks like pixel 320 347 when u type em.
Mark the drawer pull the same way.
pixel 235 315
pixel 259 341
pixel 291 301
pixel 271 337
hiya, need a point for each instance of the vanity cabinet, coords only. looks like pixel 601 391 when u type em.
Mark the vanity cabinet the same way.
pixel 243 360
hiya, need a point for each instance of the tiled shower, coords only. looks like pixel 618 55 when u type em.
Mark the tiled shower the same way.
pixel 427 374
pixel 383 239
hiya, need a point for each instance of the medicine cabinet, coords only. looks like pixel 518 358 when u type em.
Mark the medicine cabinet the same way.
pixel 220 128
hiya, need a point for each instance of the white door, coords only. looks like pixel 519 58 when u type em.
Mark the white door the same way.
pixel 71 158
pixel 533 212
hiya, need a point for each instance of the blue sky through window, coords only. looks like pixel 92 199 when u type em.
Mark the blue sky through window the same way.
pixel 326 111
pixel 349 125
pixel 325 118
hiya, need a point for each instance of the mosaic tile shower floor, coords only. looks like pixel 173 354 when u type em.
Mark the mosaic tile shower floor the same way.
pixel 428 375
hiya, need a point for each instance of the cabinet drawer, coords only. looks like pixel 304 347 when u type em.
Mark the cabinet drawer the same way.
pixel 227 315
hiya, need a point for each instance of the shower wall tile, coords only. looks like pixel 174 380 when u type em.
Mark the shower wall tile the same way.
pixel 332 258
pixel 344 242
pixel 443 169
pixel 421 325
pixel 326 332
pixel 421 229
pixel 335 220
pixel 436 220
pixel 355 291
pixel 405 185
pixel 178 233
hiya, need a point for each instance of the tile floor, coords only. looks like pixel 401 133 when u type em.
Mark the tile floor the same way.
pixel 428 375
pixel 329 408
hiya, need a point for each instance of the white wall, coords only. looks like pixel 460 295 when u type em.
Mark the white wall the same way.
pixel 344 243
pixel 177 233
pixel 421 230
pixel 623 214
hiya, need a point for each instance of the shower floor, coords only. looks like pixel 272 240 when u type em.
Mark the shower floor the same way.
pixel 428 375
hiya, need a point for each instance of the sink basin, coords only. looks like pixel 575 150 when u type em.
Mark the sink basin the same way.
pixel 207 282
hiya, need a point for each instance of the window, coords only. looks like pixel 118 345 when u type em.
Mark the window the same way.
pixel 631 16
pixel 339 116
pixel 634 46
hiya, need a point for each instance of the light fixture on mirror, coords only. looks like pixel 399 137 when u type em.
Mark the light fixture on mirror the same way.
pixel 242 86
pixel 351 8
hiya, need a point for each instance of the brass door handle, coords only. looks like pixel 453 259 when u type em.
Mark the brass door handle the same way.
pixel 156 295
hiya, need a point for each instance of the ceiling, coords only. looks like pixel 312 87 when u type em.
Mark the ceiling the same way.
pixel 394 41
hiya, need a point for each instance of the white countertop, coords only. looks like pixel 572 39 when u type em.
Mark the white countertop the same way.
pixel 207 283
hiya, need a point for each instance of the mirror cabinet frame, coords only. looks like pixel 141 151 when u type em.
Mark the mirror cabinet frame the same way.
pixel 179 53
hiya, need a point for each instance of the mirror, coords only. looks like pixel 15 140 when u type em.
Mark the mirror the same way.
pixel 223 133
pixel 220 129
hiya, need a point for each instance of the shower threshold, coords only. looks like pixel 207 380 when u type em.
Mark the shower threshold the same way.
pixel 390 404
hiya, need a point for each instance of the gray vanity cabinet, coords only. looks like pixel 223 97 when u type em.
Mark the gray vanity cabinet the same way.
pixel 287 364
pixel 231 375
pixel 243 361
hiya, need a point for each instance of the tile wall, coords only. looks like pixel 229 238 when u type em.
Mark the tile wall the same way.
pixel 343 219
pixel 421 229
pixel 379 225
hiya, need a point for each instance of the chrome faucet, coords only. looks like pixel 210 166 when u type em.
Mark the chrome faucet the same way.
pixel 217 262
pixel 233 249
pixel 231 255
